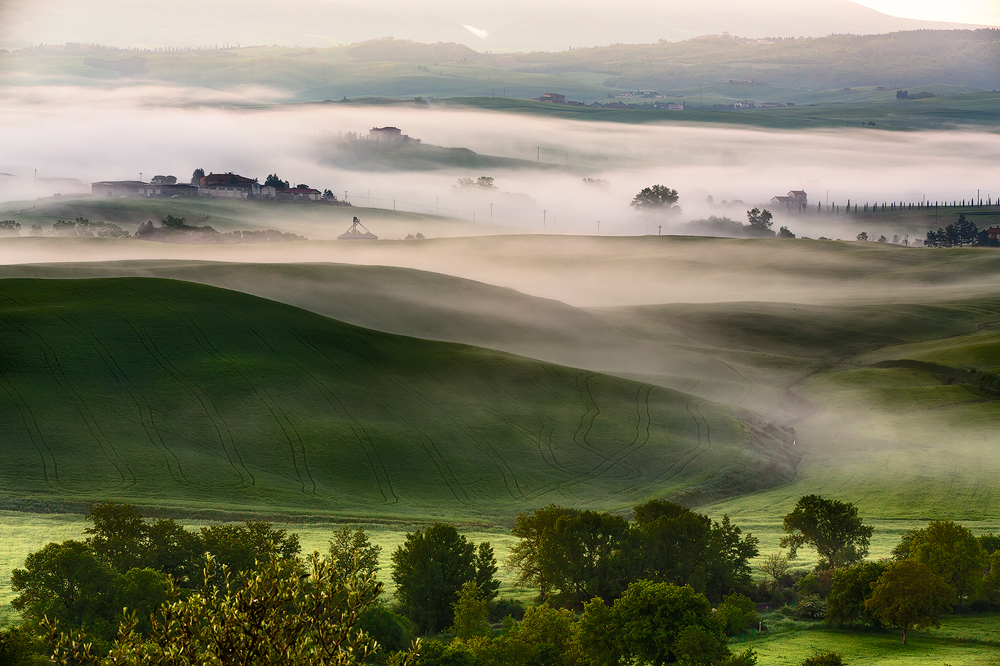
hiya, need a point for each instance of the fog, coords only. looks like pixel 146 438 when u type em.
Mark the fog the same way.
pixel 90 135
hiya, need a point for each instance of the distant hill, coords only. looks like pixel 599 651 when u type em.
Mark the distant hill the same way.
pixel 514 25
pixel 404 69
pixel 194 398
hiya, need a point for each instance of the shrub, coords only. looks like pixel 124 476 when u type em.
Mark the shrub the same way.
pixel 824 659
pixel 736 613
pixel 811 607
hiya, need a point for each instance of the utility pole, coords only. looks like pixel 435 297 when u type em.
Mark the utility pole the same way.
pixel 491 212
pixel 598 227
pixel 345 196
pixel 543 219
pixel 538 154
pixel 659 230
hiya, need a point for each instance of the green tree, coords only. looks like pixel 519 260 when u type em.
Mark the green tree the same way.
pixel 951 551
pixel 863 236
pixel 697 646
pixel 824 659
pixel 594 635
pixel 908 595
pixel 69 583
pixel 429 570
pixel 197 175
pixel 354 553
pixel 537 559
pixel 655 198
pixel 832 527
pixel 174 550
pixel 241 547
pixel 785 232
pixel 486 571
pixel 173 222
pixel 16 647
pixel 117 533
pixel 850 590
pixel 776 567
pixel 471 612
pixel 736 614
pixel 273 615
pixel 649 617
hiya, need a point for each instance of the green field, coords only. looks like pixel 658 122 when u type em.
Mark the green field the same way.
pixel 175 395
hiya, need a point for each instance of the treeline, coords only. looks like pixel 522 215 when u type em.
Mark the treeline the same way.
pixel 610 589
pixel 958 233
pixel 171 229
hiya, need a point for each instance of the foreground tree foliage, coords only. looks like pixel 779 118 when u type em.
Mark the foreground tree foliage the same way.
pixel 850 591
pixel 286 612
pixel 832 527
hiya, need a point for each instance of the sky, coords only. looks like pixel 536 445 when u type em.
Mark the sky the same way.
pixel 961 11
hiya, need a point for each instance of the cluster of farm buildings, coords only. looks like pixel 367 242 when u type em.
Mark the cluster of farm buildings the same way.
pixel 215 185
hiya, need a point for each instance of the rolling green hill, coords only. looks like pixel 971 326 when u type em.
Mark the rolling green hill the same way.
pixel 188 397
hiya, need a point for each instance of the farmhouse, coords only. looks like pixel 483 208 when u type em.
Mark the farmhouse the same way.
pixel 229 186
pixel 137 188
pixel 552 97
pixel 297 194
pixel 795 198
pixel 994 234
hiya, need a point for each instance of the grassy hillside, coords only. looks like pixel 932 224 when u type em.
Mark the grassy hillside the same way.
pixel 178 395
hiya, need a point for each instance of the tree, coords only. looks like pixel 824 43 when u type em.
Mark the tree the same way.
pixel 537 559
pixel 16 647
pixel 784 232
pixel 761 219
pixel 196 177
pixel 649 617
pixel 908 595
pixel 328 194
pixel 175 551
pixel 173 222
pixel 824 659
pixel 863 236
pixel 951 551
pixel 775 566
pixel 117 534
pixel 655 198
pixel 273 615
pixel 832 527
pixel 486 571
pixel 67 582
pixel 241 547
pixel 850 590
pixel 354 554
pixel 274 181
pixel 429 570
pixel 471 613
pixel 302 186
pixel 736 614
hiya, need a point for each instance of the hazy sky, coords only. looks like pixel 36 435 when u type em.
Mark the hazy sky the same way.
pixel 962 11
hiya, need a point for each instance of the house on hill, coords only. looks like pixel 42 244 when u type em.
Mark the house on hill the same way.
pixel 389 135
pixel 229 186
pixel 297 194
pixel 552 97
pixel 137 188
pixel 795 199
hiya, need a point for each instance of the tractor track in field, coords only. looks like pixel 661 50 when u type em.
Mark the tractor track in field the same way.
pixel 497 459
pixel 440 463
pixel 618 458
pixel 277 413
pixel 690 456
pixel 204 400
pixel 138 399
pixel 127 477
pixel 338 407
pixel 25 412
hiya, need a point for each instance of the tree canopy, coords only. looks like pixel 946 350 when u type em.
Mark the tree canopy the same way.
pixel 908 595
pixel 655 197
pixel 832 527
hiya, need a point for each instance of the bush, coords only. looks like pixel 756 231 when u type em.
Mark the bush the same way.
pixel 736 614
pixel 824 659
pixel 505 607
pixel 811 607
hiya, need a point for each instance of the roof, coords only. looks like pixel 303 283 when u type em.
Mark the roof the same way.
pixel 386 129
pixel 797 192
pixel 135 183
pixel 229 178
pixel 298 190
